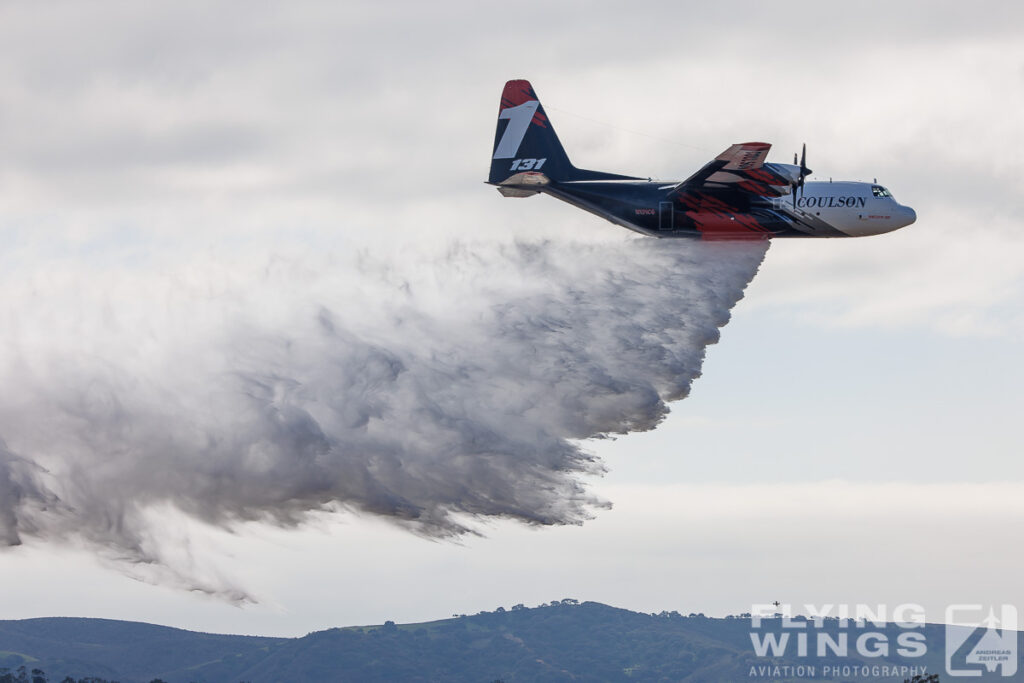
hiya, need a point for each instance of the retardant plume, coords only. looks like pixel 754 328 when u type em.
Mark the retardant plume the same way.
pixel 428 388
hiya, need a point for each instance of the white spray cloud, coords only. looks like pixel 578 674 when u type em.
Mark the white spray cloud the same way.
pixel 429 388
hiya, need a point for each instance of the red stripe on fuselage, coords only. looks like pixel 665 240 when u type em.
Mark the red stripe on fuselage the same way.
pixel 716 219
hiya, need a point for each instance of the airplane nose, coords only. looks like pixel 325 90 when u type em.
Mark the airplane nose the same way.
pixel 908 216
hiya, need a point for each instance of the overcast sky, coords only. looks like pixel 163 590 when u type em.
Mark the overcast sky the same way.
pixel 859 415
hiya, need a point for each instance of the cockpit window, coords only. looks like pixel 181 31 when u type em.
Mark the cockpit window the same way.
pixel 880 191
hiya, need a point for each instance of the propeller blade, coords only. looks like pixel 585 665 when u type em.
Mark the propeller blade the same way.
pixel 804 171
pixel 798 184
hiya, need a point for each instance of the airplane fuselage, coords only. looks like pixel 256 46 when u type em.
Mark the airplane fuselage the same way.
pixel 822 209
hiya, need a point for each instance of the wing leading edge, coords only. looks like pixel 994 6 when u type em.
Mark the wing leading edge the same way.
pixel 741 168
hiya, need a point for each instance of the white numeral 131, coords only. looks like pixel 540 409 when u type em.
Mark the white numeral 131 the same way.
pixel 527 164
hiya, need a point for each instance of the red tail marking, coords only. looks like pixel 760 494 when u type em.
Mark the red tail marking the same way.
pixel 516 93
pixel 520 92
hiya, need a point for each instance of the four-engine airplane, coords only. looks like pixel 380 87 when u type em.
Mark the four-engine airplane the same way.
pixel 735 196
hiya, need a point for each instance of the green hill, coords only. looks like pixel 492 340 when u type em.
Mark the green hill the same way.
pixel 563 641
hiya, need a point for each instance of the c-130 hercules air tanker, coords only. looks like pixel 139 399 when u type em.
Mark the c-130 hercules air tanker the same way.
pixel 737 195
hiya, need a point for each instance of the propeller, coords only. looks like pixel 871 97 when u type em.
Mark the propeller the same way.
pixel 804 172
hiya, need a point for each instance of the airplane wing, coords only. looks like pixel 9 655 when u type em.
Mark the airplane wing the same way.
pixel 740 168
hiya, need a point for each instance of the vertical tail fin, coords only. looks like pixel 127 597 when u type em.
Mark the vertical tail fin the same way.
pixel 526 141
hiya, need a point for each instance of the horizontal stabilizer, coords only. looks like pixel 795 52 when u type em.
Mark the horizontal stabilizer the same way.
pixel 523 184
